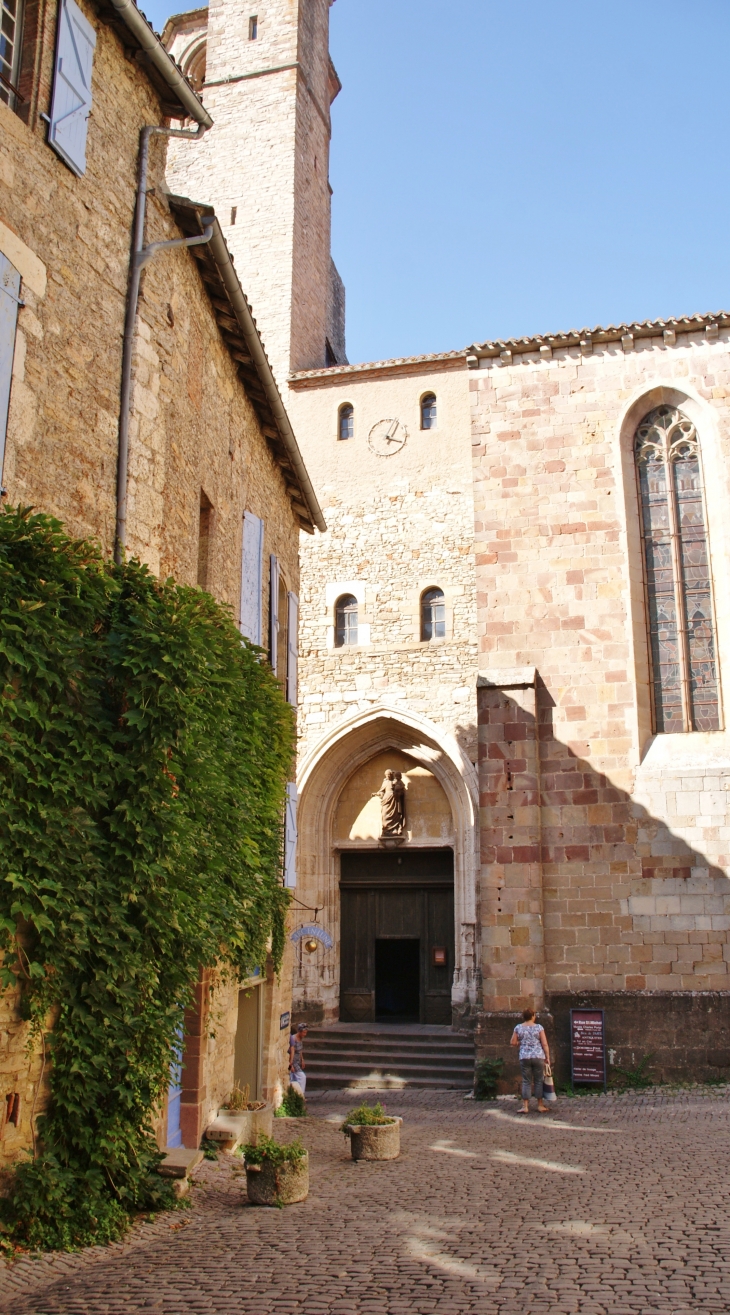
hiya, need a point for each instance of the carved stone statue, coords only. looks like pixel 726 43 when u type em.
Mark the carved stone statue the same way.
pixel 392 796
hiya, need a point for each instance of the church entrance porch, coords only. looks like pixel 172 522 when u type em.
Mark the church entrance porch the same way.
pixel 397 936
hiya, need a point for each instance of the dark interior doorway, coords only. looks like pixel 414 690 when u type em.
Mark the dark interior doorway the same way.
pixel 397 935
pixel 397 981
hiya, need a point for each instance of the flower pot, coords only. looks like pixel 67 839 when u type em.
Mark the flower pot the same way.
pixel 375 1141
pixel 282 1184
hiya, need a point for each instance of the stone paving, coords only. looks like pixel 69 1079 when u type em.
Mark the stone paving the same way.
pixel 612 1205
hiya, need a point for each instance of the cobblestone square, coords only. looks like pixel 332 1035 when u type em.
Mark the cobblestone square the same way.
pixel 609 1206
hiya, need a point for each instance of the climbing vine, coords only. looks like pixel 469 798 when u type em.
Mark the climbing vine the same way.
pixel 144 753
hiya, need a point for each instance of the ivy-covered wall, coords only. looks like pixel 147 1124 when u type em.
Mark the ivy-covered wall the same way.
pixel 144 753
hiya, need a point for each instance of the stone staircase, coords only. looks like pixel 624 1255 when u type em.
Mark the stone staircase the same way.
pixel 387 1056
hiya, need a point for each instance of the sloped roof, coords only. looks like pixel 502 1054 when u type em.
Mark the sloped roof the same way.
pixel 584 338
pixel 612 333
pixel 241 336
pixel 407 364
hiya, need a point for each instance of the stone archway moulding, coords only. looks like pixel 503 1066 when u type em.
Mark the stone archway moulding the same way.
pixel 323 774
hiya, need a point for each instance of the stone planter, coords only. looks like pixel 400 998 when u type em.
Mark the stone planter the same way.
pixel 234 1128
pixel 375 1141
pixel 282 1184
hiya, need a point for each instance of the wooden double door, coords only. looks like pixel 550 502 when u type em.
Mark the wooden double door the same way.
pixel 397 936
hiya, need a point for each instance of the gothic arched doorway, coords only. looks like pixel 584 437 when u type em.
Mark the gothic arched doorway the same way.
pixel 401 910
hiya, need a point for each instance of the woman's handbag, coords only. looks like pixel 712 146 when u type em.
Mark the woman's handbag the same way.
pixel 548 1086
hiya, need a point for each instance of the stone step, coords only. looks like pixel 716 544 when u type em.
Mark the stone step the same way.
pixel 383 1082
pixel 366 1055
pixel 388 1058
pixel 398 1044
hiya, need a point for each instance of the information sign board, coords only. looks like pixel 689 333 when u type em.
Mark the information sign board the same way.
pixel 284 1020
pixel 588 1046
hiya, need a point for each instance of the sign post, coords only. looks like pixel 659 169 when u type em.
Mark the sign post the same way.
pixel 588 1046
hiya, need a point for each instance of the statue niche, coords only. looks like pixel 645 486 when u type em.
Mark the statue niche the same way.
pixel 392 796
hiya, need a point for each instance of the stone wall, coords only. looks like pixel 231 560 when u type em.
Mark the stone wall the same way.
pixel 267 158
pixel 193 429
pixel 629 840
pixel 396 526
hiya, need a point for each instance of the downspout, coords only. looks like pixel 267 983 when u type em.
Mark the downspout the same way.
pixel 141 255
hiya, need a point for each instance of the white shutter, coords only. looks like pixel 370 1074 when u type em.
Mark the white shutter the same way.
pixel 71 104
pixel 9 293
pixel 290 837
pixel 273 610
pixel 251 572
pixel 292 639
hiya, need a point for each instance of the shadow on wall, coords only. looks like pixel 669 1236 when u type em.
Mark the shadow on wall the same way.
pixel 634 918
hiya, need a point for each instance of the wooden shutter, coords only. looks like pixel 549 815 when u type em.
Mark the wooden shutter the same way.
pixel 292 645
pixel 273 610
pixel 71 104
pixel 290 837
pixel 9 293
pixel 251 572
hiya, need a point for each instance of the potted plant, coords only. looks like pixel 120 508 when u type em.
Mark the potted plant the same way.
pixel 374 1135
pixel 276 1173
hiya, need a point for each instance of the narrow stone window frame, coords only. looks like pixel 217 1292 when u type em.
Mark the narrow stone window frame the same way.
pixel 684 676
pixel 253 27
pixel 345 421
pixel 432 614
pixel 428 409
pixel 206 520
pixel 346 621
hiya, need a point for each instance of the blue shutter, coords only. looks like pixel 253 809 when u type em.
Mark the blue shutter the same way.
pixel 292 640
pixel 9 293
pixel 71 104
pixel 273 610
pixel 290 837
pixel 251 572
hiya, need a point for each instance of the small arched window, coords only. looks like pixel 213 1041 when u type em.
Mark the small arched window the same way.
pixel 428 411
pixel 433 615
pixel 194 65
pixel 346 421
pixel 345 621
pixel 681 636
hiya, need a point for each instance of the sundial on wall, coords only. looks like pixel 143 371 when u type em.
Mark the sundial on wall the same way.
pixel 387 437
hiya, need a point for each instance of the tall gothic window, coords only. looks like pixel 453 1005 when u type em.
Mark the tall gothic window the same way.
pixel 345 621
pixel 433 615
pixel 677 574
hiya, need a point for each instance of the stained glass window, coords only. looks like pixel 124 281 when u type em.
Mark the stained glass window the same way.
pixel 677 574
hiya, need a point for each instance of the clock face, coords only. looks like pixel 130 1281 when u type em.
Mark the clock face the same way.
pixel 387 437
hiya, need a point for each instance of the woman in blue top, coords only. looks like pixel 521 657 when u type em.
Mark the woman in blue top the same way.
pixel 534 1051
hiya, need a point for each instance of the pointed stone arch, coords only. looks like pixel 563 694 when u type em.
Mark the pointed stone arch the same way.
pixel 323 775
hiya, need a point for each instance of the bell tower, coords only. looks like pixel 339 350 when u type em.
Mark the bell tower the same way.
pixel 264 71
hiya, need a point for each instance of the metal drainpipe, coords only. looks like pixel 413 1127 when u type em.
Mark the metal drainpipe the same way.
pixel 141 254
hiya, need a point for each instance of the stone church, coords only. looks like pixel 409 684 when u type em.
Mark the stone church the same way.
pixel 520 606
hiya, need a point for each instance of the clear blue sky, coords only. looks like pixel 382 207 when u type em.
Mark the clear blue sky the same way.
pixel 510 168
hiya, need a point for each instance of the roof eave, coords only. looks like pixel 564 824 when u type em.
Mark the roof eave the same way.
pixel 179 99
pixel 241 336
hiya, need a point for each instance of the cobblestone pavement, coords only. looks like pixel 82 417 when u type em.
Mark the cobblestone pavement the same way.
pixel 612 1205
